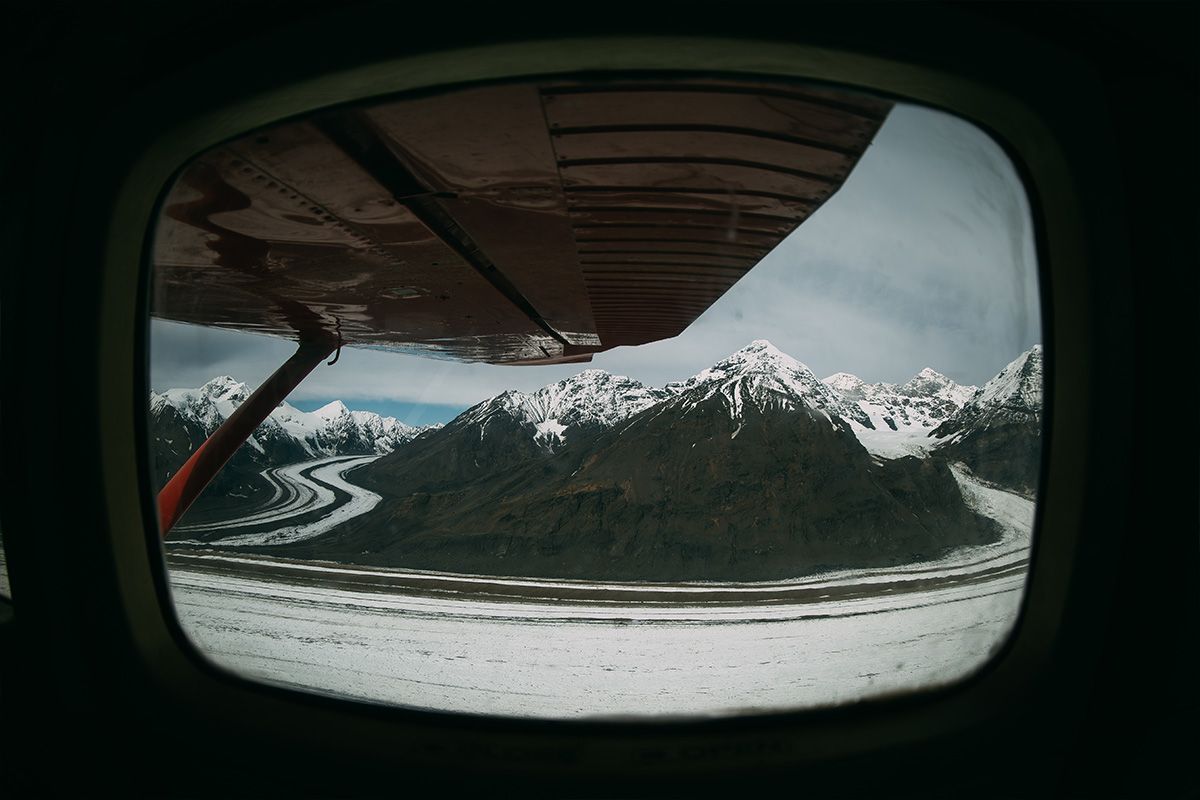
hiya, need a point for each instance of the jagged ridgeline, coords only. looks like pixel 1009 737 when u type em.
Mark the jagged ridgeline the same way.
pixel 751 470
pixel 998 432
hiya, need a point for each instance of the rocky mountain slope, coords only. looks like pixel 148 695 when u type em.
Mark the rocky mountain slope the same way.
pixel 586 402
pixel 998 432
pixel 925 401
pixel 751 470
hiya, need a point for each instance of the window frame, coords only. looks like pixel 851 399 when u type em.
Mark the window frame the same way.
pixel 220 108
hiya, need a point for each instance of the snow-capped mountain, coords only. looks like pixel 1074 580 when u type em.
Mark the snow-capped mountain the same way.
pixel 181 420
pixel 209 405
pixel 931 383
pixel 762 376
pixel 998 432
pixel 387 433
pixel 920 404
pixel 752 469
pixel 330 430
pixel 1015 395
pixel 759 375
pixel 593 398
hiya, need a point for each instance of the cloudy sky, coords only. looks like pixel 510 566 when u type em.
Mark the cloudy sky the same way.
pixel 925 257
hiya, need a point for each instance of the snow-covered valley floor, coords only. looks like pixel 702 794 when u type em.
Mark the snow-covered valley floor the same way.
pixel 558 649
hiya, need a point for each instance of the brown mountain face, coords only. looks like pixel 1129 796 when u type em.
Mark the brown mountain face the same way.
pixel 1007 453
pixel 175 436
pixel 998 434
pixel 684 490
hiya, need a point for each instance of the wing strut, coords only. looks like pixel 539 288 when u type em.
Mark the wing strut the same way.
pixel 187 484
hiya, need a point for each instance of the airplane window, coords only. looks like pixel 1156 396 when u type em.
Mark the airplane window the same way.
pixel 604 398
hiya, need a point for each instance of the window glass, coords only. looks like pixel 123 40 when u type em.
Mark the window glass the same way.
pixel 799 468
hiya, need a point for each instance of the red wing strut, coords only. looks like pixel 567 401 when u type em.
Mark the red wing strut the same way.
pixel 204 464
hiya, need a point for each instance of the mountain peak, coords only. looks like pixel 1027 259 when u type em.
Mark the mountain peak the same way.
pixel 762 347
pixel 844 382
pixel 588 380
pixel 332 410
pixel 912 408
pixel 926 382
pixel 592 373
pixel 760 355
pixel 1014 395
pixel 588 398
pixel 769 378
pixel 1020 382
pixel 330 430
pixel 224 387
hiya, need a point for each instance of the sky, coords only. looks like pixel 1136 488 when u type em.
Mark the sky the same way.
pixel 924 258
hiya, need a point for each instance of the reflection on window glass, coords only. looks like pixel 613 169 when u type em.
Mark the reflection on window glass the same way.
pixel 694 398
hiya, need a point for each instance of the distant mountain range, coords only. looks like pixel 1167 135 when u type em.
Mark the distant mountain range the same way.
pixel 751 470
pixel 181 419
pixel 925 401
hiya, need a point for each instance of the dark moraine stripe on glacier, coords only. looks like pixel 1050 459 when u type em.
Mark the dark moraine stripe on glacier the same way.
pixel 283 493
pixel 306 516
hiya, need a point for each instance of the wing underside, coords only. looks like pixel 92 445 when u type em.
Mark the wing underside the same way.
pixel 528 222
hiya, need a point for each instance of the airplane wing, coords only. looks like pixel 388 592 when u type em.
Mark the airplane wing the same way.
pixel 517 223
pixel 534 222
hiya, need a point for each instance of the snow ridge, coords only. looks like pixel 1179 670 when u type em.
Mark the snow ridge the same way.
pixel 916 406
pixel 763 376
pixel 890 420
pixel 332 429
pixel 1018 386
pixel 594 397
pixel 1014 395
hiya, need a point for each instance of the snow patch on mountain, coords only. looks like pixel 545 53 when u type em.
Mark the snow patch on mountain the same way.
pixel 550 432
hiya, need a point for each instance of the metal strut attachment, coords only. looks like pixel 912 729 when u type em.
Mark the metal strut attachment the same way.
pixel 191 479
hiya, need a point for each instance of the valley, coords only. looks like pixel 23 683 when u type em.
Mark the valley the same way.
pixel 570 649
pixel 751 539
